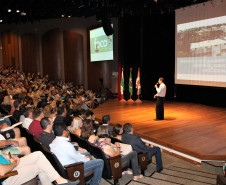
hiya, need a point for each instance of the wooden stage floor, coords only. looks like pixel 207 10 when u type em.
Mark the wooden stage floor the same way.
pixel 193 129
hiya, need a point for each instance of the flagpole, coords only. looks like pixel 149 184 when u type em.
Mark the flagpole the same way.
pixel 138 86
pixel 122 93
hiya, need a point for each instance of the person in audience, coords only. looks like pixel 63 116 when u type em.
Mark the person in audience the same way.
pixel 47 135
pixel 28 117
pixel 110 150
pixel 50 112
pixel 117 131
pixel 82 114
pixel 87 132
pixel 29 167
pixel 106 122
pixel 6 103
pixel 22 109
pixel 16 113
pixel 19 143
pixel 67 154
pixel 76 126
pixel 61 113
pixel 139 146
pixel 35 127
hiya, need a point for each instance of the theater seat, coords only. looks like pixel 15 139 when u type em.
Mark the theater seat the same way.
pixel 12 173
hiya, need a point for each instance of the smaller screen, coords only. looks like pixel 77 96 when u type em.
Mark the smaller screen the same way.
pixel 101 45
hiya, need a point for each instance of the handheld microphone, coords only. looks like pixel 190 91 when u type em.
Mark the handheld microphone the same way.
pixel 156 84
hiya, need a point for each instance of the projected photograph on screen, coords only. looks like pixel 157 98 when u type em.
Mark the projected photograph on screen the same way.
pixel 201 50
pixel 101 45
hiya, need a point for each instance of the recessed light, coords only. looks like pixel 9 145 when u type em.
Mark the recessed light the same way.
pixel 62 15
pixel 17 11
pixel 1 20
pixel 9 10
pixel 69 16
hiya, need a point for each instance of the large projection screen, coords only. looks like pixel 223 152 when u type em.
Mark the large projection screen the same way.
pixel 200 44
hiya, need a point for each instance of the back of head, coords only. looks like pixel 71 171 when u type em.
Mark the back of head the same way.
pixel 105 119
pixel 36 113
pixel 6 100
pixel 81 112
pixel 103 132
pixel 27 111
pixel 89 113
pixel 58 128
pixel 45 122
pixel 127 128
pixel 87 127
pixel 116 130
pixel 60 110
pixel 22 108
pixel 16 103
pixel 67 120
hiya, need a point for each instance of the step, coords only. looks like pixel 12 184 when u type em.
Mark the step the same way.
pixel 213 167
pixel 197 171
pixel 182 178
pixel 154 181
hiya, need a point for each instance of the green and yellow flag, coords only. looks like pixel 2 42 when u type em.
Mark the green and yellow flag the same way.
pixel 122 87
pixel 130 83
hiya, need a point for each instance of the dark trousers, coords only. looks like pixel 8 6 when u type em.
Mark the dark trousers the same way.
pixel 160 108
pixel 158 156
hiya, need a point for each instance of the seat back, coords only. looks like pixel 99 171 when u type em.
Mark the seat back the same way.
pixel 112 166
pixel 74 137
pixel 30 140
pixel 58 167
pixel 113 140
pixel 84 144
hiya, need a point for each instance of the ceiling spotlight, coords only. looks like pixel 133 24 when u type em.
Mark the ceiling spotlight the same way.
pixel 1 20
pixel 62 15
pixel 9 10
pixel 23 13
pixel 69 16
pixel 17 11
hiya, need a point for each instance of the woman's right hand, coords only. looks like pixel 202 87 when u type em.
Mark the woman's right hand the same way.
pixel 117 144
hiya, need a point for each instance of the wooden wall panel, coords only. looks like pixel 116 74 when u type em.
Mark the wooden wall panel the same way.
pixel 10 48
pixel 51 54
pixel 97 71
pixel 73 57
pixel 29 47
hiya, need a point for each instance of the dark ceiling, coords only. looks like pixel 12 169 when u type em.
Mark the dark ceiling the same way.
pixel 35 10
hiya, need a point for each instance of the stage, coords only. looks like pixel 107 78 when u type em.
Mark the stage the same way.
pixel 193 129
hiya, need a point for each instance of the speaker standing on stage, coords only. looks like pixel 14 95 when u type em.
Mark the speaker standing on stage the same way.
pixel 161 93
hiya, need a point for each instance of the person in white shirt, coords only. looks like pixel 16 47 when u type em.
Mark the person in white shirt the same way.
pixel 66 153
pixel 28 117
pixel 161 93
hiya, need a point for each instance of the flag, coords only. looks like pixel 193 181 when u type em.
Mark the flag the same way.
pixel 122 87
pixel 138 86
pixel 130 83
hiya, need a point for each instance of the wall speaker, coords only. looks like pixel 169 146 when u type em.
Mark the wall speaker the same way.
pixel 106 23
